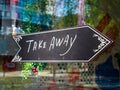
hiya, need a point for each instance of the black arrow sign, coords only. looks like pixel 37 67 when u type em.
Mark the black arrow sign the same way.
pixel 79 44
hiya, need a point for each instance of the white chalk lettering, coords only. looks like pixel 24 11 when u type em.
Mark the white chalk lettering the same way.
pixel 66 41
pixel 30 41
pixel 35 46
pixel 59 42
pixel 44 44
pixel 52 44
pixel 71 44
pixel 40 44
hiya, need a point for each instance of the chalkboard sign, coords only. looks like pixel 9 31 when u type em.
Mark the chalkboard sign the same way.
pixel 78 44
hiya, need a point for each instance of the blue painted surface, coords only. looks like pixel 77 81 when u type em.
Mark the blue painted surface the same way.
pixel 107 75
